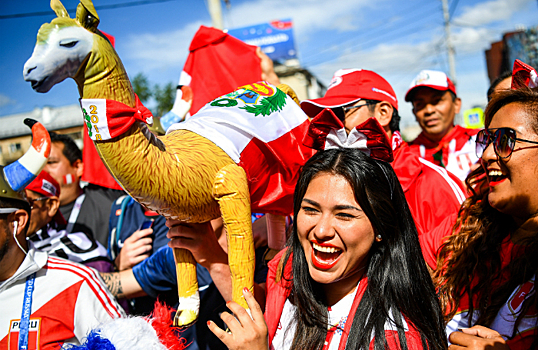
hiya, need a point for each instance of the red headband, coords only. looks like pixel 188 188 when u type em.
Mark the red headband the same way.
pixel 326 131
pixel 523 73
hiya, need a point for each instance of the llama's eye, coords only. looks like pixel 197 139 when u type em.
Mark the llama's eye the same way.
pixel 68 44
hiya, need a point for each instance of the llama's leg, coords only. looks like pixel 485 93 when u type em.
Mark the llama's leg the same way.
pixel 189 299
pixel 231 192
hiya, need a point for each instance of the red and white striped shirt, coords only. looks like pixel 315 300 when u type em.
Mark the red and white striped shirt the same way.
pixel 69 300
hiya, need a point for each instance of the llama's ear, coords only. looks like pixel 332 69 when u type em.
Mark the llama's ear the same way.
pixel 58 8
pixel 87 16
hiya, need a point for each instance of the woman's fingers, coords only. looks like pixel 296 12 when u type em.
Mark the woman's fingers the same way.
pixel 255 309
pixel 221 334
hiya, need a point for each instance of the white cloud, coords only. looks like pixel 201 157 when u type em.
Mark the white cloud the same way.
pixel 471 40
pixel 308 16
pixel 491 11
pixel 6 101
pixel 160 51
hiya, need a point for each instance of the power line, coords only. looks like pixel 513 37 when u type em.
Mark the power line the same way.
pixel 409 31
pixel 453 6
pixel 386 25
pixel 72 11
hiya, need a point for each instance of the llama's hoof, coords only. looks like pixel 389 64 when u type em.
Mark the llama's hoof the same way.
pixel 185 318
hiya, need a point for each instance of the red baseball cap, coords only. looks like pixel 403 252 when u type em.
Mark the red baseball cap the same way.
pixel 433 79
pixel 44 184
pixel 349 86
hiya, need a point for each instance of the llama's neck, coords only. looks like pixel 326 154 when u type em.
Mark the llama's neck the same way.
pixel 104 75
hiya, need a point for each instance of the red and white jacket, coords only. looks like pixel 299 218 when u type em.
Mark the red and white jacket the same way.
pixel 68 301
pixel 432 192
pixel 456 151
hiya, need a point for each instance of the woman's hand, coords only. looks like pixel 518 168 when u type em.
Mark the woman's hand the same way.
pixel 477 338
pixel 246 333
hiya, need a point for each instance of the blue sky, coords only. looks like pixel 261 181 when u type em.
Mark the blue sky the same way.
pixel 395 38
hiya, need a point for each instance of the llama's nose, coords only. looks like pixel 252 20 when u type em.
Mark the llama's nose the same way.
pixel 30 69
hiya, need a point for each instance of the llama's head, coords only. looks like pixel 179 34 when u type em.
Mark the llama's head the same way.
pixel 62 46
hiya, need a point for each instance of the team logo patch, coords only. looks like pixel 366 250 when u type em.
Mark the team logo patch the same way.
pixel 422 78
pixel 257 98
pixel 519 297
pixel 34 331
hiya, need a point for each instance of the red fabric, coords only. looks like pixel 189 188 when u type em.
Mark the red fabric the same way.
pixel 431 241
pixel 218 63
pixel 273 170
pixel 522 73
pixel 278 292
pixel 321 125
pixel 56 323
pixel 460 134
pixel 430 196
pixel 120 118
pixel 95 171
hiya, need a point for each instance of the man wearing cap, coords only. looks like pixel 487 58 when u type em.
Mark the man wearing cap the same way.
pixel 47 227
pixel 355 95
pixel 44 301
pixel 86 209
pixel 435 104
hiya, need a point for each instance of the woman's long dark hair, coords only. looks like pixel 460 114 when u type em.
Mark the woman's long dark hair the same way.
pixel 469 262
pixel 398 280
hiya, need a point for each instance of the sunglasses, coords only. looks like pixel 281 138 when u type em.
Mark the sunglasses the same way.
pixel 33 200
pixel 349 108
pixel 504 141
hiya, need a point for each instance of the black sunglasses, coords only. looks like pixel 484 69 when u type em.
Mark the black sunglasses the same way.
pixel 504 141
pixel 349 108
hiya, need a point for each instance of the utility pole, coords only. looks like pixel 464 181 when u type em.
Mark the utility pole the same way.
pixel 449 45
pixel 215 10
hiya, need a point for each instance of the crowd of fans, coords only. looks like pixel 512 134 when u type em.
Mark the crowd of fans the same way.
pixel 432 245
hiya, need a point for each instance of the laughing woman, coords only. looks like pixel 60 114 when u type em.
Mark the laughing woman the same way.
pixel 352 276
pixel 493 254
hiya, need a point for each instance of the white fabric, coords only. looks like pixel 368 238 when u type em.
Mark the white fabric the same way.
pixel 77 246
pixel 232 128
pixel 337 315
pixel 340 139
pixel 459 162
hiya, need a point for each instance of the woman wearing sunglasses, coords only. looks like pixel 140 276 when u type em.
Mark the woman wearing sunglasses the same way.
pixel 352 276
pixel 493 255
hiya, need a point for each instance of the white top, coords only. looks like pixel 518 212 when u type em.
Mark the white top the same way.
pixel 337 316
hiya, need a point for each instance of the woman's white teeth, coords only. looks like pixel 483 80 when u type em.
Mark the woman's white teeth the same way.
pixel 495 173
pixel 325 249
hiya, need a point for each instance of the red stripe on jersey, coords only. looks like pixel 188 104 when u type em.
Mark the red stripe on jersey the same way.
pixel 57 320
pixel 91 280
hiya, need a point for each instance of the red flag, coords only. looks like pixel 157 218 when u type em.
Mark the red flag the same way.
pixel 217 64
pixel 95 171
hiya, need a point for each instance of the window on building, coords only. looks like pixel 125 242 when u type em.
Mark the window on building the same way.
pixel 14 147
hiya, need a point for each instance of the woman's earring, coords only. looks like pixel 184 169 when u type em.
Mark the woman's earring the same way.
pixel 378 237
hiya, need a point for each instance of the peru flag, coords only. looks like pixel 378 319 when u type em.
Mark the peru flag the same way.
pixel 261 129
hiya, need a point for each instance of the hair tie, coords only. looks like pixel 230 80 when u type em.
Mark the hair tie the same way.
pixel 326 131
pixel 524 74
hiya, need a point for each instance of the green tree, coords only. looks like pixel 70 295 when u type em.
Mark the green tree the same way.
pixel 164 97
pixel 141 87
